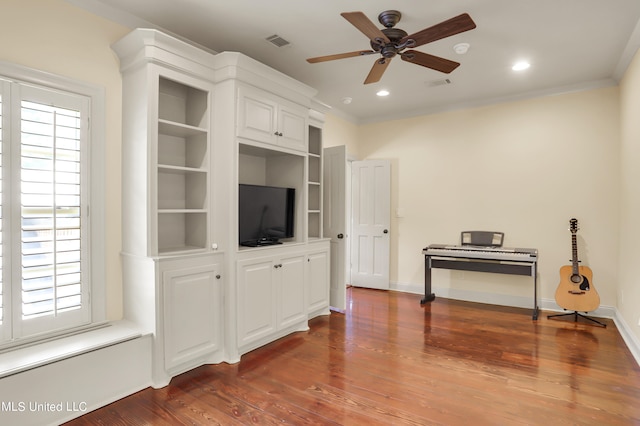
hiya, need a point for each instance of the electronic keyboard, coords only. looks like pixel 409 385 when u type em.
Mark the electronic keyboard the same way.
pixel 481 252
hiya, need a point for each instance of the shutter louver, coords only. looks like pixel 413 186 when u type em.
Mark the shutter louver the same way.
pixel 51 210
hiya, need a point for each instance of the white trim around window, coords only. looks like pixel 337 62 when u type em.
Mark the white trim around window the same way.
pixel 16 84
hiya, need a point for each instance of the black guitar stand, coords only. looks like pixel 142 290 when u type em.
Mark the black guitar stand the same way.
pixel 576 314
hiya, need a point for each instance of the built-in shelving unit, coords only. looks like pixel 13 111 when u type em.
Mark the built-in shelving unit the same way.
pixel 182 167
pixel 172 279
pixel 195 126
pixel 314 183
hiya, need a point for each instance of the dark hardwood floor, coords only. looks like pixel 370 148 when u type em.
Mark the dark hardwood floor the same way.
pixel 390 361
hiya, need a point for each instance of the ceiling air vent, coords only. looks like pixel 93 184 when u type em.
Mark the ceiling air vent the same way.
pixel 441 82
pixel 277 41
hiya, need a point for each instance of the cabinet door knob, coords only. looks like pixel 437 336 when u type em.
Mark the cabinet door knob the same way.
pixel 386 231
pixel 218 277
pixel 340 236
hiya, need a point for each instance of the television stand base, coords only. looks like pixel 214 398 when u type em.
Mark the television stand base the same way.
pixel 260 243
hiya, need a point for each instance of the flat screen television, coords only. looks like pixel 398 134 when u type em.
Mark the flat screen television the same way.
pixel 265 214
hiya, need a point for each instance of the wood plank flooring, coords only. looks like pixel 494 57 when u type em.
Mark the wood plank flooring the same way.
pixel 390 361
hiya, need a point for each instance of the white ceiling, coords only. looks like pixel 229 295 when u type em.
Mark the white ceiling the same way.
pixel 571 45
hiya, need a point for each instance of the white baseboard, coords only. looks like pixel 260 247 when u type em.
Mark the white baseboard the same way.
pixel 627 335
pixel 525 302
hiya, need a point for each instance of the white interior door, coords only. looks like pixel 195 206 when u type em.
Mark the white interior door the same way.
pixel 371 204
pixel 335 221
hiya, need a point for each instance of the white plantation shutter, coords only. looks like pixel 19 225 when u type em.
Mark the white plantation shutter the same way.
pixel 48 288
pixel 50 210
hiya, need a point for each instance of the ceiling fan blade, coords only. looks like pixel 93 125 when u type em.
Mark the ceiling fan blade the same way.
pixel 379 67
pixel 340 56
pixel 364 24
pixel 453 26
pixel 434 62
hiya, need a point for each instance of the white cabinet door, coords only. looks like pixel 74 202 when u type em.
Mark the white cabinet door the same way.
pixel 267 118
pixel 292 128
pixel 271 296
pixel 292 296
pixel 256 300
pixel 257 116
pixel 318 282
pixel 192 302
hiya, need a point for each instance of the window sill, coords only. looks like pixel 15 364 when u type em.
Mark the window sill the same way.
pixel 33 356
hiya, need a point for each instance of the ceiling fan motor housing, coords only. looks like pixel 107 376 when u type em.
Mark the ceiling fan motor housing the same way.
pixel 389 18
pixel 389 50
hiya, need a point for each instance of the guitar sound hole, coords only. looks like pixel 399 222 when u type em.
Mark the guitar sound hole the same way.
pixel 576 279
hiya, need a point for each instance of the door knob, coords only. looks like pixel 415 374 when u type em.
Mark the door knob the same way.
pixel 340 236
pixel 386 231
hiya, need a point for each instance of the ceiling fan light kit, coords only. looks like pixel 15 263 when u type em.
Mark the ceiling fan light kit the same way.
pixel 461 48
pixel 390 42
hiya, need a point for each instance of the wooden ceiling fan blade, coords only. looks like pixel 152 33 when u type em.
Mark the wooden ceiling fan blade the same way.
pixel 453 26
pixel 340 56
pixel 434 62
pixel 364 24
pixel 379 67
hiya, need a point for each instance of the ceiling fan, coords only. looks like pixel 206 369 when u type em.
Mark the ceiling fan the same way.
pixel 390 41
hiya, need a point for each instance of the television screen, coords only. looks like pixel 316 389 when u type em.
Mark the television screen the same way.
pixel 265 214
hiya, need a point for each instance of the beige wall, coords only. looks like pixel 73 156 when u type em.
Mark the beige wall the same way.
pixel 338 131
pixel 53 36
pixel 629 284
pixel 524 168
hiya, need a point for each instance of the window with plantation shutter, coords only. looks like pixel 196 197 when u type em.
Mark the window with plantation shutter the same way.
pixel 51 219
pixel 46 277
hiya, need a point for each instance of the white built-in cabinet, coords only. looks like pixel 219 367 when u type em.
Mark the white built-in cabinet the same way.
pixel 173 282
pixel 265 117
pixel 314 183
pixel 294 280
pixel 195 126
pixel 191 311
pixel 318 274
pixel 271 296
pixel 182 165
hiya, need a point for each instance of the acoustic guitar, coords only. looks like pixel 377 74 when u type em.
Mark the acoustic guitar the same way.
pixel 576 291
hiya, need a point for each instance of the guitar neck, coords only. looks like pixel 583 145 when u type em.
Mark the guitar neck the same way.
pixel 574 252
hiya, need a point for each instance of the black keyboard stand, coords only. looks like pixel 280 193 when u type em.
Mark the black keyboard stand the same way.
pixel 576 314
pixel 528 268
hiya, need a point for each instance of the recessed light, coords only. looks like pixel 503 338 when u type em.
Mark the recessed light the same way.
pixel 383 93
pixel 520 66
pixel 347 100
